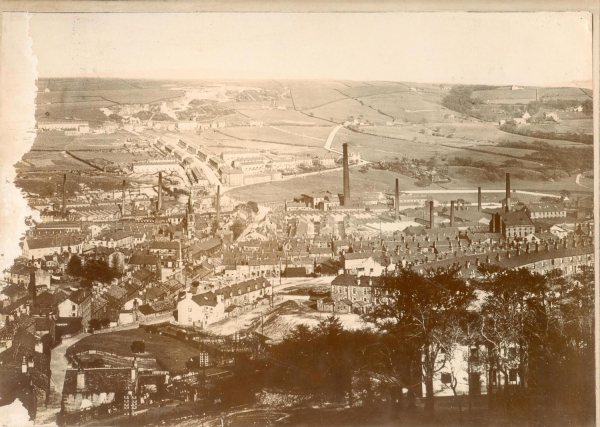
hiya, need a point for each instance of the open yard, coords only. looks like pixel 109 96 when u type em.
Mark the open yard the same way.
pixel 170 353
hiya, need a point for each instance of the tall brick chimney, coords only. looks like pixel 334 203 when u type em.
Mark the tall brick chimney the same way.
pixel 159 191
pixel 478 199
pixel 431 222
pixel 346 175
pixel 452 213
pixel 397 201
pixel 507 192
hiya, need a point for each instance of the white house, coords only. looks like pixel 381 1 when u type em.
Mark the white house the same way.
pixel 200 310
pixel 361 263
pixel 559 232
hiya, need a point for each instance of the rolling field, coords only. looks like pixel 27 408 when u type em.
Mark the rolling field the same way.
pixel 346 110
pixel 122 96
pixel 372 90
pixel 505 96
pixel 290 135
pixel 565 93
pixel 397 103
pixel 170 352
pixel 217 142
pixel 485 132
pixel 566 126
pixel 283 117
pixel 306 97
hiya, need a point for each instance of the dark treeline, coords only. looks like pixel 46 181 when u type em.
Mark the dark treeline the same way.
pixel 92 270
pixel 537 328
pixel 511 127
pixel 570 160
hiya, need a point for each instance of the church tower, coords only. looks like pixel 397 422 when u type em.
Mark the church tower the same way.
pixel 190 221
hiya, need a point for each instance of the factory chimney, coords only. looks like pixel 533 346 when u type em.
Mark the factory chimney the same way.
pixel 507 192
pixel 431 223
pixel 346 175
pixel 218 207
pixel 159 207
pixel 478 199
pixel 452 213
pixel 397 201
pixel 64 195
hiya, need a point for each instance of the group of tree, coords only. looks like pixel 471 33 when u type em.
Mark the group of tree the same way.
pixel 93 270
pixel 531 336
pixel 512 127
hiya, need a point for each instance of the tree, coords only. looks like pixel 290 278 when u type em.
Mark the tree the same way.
pixel 75 267
pixel 138 347
pixel 253 205
pixel 418 308
pixel 99 270
pixel 513 319
pixel 237 228
pixel 95 324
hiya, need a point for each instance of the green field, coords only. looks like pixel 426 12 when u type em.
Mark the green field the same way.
pixel 306 97
pixel 282 117
pixel 285 135
pixel 170 353
pixel 372 90
pixel 347 110
pixel 123 96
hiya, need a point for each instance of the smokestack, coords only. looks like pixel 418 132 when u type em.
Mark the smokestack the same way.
pixel 159 190
pixel 397 201
pixel 478 199
pixel 507 192
pixel 452 213
pixel 346 175
pixel 431 223
pixel 218 202
pixel 64 194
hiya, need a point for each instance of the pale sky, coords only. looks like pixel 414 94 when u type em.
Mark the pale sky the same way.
pixel 476 48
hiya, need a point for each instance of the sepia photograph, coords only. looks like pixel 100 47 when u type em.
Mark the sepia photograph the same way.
pixel 297 219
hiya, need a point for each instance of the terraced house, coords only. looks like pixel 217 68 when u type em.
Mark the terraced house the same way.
pixel 209 307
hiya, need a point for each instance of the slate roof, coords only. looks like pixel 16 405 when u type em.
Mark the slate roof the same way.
pixel 79 296
pixel 516 218
pixel 143 259
pixel 51 242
